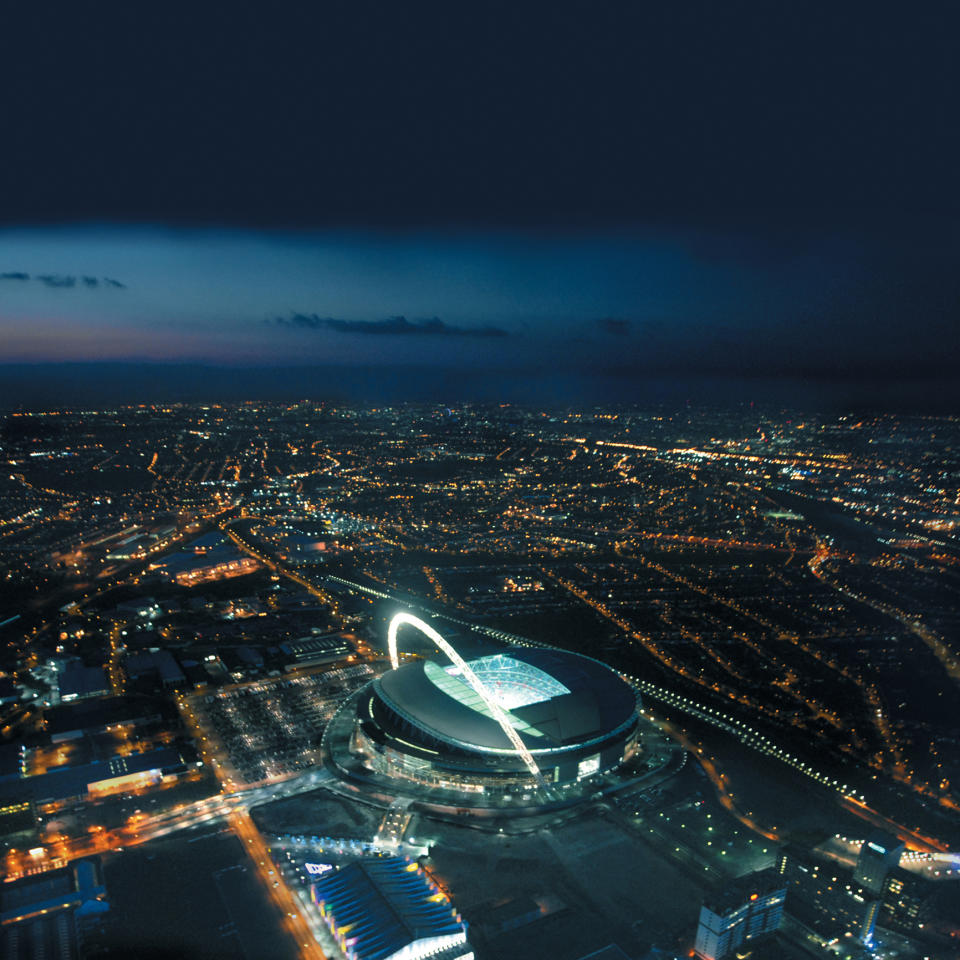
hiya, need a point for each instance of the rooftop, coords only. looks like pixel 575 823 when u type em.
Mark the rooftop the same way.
pixel 378 907
pixel 61 783
pixel 80 681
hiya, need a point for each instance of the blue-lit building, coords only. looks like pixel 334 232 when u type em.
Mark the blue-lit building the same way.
pixel 750 909
pixel 879 854
pixel 60 913
pixel 389 909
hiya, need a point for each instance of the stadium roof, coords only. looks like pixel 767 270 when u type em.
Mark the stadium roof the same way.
pixel 578 698
pixel 511 682
pixel 378 907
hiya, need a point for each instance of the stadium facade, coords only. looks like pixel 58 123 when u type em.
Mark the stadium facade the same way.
pixel 428 723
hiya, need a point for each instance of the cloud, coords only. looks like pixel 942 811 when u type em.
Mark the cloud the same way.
pixel 392 326
pixel 614 326
pixel 56 280
pixel 63 281
pixel 309 321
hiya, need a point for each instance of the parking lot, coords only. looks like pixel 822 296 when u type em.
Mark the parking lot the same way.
pixel 273 728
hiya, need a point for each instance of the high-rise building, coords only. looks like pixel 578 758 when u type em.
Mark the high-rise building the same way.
pixel 908 900
pixel 824 895
pixel 749 908
pixel 879 854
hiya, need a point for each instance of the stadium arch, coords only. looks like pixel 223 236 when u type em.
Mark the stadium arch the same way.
pixel 468 675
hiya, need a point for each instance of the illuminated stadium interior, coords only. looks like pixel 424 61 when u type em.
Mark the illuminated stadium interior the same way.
pixel 509 683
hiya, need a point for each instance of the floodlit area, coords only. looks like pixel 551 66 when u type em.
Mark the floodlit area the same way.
pixel 509 682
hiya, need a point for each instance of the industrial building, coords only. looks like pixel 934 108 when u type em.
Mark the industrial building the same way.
pixel 72 721
pixel 311 651
pixel 104 777
pixel 77 682
pixel 55 914
pixel 158 666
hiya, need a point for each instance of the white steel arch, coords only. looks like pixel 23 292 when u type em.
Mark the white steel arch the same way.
pixel 468 675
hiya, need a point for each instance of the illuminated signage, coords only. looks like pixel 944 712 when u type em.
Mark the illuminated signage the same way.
pixel 318 869
pixel 876 846
pixel 588 767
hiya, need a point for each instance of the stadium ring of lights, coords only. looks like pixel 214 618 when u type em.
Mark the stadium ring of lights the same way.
pixel 440 725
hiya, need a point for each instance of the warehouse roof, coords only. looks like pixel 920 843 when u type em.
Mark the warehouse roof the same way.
pixel 377 907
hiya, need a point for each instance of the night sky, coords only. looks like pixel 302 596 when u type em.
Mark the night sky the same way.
pixel 545 202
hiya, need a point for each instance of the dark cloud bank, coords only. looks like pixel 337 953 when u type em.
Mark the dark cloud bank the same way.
pixel 391 326
pixel 63 281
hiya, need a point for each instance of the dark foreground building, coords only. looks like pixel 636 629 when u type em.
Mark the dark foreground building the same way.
pixel 825 896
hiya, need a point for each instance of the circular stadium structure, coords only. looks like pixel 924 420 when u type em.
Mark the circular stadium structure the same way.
pixel 518 718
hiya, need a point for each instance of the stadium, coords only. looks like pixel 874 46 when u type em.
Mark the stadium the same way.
pixel 516 718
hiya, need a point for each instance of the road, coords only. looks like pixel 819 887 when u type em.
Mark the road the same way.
pixel 719 781
pixel 278 568
pixel 940 650
pixel 276 887
pixel 141 828
pixel 913 840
